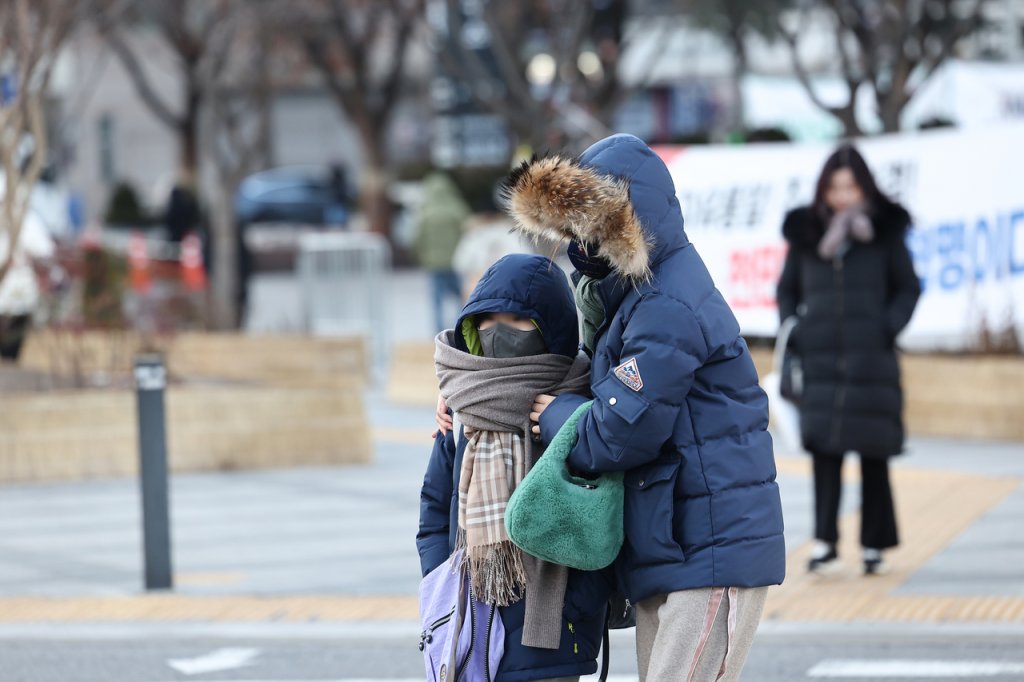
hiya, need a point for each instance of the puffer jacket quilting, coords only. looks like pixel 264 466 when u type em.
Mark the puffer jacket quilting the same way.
pixel 702 507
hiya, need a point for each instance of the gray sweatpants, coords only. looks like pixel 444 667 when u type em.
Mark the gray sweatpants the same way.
pixel 698 635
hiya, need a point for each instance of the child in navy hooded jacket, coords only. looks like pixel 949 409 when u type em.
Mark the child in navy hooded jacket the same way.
pixel 529 288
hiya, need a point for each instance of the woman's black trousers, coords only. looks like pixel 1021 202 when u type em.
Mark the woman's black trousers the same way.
pixel 878 517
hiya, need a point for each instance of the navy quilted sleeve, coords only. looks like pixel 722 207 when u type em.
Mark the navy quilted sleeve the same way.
pixel 435 505
pixel 628 426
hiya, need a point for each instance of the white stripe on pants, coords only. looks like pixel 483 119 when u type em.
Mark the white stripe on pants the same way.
pixel 700 635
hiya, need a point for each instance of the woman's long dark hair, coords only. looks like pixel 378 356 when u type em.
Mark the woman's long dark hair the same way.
pixel 847 156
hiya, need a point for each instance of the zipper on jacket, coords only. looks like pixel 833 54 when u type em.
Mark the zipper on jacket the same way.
pixel 837 418
pixel 487 649
pixel 426 637
pixel 575 646
pixel 472 642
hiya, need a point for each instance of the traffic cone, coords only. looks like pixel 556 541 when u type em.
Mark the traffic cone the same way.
pixel 138 263
pixel 193 274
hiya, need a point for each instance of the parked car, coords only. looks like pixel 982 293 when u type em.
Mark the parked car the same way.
pixel 317 195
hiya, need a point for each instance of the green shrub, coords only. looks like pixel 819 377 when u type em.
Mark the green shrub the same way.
pixel 124 207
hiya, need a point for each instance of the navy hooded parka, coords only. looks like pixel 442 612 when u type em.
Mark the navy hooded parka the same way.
pixel 702 507
pixel 535 288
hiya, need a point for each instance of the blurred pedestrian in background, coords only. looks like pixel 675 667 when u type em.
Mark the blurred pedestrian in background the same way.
pixel 488 237
pixel 850 280
pixel 19 290
pixel 439 228
pixel 183 214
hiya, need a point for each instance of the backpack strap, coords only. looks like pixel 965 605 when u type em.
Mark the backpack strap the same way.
pixel 605 653
pixel 451 673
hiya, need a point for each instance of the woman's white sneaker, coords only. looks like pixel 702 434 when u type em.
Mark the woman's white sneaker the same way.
pixel 824 559
pixel 874 564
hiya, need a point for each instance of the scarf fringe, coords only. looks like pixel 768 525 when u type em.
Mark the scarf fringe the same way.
pixel 496 571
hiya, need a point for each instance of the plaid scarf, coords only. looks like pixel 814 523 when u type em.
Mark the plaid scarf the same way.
pixel 493 465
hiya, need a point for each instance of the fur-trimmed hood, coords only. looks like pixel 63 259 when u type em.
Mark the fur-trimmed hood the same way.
pixel 804 228
pixel 612 198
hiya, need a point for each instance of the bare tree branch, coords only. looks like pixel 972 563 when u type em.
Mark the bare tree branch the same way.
pixel 31 35
pixel 893 40
pixel 343 41
pixel 791 38
pixel 536 112
pixel 238 88
pixel 140 80
pixel 190 28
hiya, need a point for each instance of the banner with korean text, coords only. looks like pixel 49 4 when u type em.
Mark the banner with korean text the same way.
pixel 965 191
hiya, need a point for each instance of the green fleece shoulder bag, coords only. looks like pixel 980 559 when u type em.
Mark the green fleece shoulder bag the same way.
pixel 563 519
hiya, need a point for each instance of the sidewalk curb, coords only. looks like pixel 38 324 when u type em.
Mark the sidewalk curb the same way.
pixel 410 630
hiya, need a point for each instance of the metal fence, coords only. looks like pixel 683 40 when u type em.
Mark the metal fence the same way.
pixel 343 279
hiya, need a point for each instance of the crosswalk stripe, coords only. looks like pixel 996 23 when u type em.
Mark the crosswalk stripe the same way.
pixel 912 668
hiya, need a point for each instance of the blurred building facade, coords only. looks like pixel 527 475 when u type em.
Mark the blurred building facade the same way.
pixel 691 83
pixel 682 79
pixel 108 135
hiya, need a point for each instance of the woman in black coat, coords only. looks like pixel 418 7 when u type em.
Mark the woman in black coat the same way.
pixel 850 281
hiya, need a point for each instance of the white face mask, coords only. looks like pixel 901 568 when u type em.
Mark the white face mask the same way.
pixel 503 341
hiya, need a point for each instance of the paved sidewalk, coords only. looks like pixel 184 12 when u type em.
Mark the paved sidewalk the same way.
pixel 331 530
pixel 337 544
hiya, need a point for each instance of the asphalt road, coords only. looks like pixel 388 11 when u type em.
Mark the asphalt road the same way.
pixel 388 652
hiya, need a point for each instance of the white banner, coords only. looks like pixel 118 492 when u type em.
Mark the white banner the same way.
pixel 965 191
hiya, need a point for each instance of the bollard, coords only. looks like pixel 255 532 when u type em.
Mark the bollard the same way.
pixel 150 381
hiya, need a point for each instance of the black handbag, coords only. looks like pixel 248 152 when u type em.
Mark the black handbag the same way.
pixel 790 365
pixel 791 384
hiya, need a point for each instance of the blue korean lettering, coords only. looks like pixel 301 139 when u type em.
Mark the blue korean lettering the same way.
pixel 1017 219
pixel 950 248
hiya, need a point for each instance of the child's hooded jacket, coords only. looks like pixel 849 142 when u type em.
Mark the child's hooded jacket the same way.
pixel 532 287
pixel 677 403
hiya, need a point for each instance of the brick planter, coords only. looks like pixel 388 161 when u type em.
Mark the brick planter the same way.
pixel 282 360
pixel 965 396
pixel 90 433
pixel 248 402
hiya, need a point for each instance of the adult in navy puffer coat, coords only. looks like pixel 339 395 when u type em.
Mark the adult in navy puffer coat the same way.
pixel 677 404
pixel 531 287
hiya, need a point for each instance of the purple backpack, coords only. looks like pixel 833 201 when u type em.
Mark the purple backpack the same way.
pixel 463 639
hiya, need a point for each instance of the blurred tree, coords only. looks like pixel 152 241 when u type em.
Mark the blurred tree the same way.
pixel 359 47
pixel 188 27
pixel 735 21
pixel 222 50
pixel 549 67
pixel 31 35
pixel 888 44
pixel 241 98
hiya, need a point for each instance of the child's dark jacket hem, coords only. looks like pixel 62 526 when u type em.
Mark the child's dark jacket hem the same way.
pixel 586 595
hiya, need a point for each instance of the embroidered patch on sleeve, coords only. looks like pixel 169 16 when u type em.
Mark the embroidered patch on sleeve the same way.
pixel 628 374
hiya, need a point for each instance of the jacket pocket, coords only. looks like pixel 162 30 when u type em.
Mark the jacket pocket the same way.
pixel 649 513
pixel 620 399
